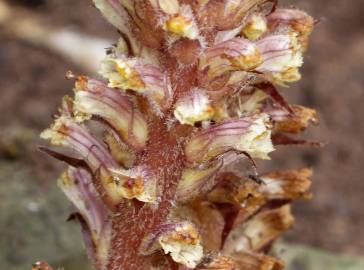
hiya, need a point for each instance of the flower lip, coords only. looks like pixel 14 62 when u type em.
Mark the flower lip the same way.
pixel 287 185
pixel 122 74
pixel 298 121
pixel 178 25
pixel 136 184
pixel 181 240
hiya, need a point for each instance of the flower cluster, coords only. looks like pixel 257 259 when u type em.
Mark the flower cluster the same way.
pixel 187 94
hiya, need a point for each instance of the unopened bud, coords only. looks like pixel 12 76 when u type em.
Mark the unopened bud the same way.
pixel 182 24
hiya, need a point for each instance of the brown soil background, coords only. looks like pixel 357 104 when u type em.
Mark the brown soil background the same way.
pixel 32 83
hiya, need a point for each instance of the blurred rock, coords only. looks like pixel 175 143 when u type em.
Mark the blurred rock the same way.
pixel 301 257
pixel 32 224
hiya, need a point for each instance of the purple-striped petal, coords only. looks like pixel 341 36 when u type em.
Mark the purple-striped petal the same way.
pixel 96 224
pixel 94 98
pixel 249 134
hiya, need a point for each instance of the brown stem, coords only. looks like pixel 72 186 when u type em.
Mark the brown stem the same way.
pixel 164 157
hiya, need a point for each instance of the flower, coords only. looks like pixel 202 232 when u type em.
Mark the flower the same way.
pixel 94 98
pixel 94 218
pixel 194 181
pixel 282 56
pixel 249 134
pixel 234 54
pixel 133 74
pixel 260 230
pixel 116 183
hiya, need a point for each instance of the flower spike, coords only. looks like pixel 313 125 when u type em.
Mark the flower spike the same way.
pixel 190 90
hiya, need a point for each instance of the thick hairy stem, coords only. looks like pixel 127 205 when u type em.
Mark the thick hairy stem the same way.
pixel 164 158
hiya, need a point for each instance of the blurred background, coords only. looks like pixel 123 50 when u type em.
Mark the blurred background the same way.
pixel 40 40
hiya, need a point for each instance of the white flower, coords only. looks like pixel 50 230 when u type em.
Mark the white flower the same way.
pixel 251 135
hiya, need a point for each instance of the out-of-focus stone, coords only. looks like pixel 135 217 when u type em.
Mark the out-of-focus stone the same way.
pixel 301 257
pixel 33 223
